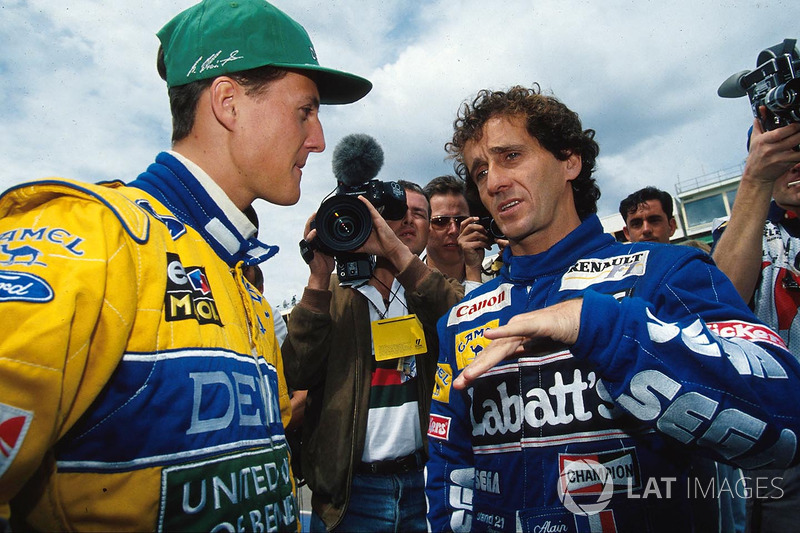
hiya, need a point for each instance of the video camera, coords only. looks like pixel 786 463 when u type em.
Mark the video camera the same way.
pixel 775 84
pixel 342 222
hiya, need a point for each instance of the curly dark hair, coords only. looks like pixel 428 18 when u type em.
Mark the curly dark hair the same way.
pixel 557 128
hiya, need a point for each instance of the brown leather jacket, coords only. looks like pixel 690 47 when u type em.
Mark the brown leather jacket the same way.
pixel 329 352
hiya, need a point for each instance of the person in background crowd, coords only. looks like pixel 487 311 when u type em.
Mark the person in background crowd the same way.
pixel 141 364
pixel 367 355
pixel 589 370
pixel 758 249
pixel 456 243
pixel 648 216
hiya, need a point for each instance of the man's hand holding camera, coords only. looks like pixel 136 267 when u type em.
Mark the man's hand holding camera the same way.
pixel 772 153
pixel 474 240
pixel 382 242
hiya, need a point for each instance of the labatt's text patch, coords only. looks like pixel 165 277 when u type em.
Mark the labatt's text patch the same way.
pixel 481 304
pixel 588 272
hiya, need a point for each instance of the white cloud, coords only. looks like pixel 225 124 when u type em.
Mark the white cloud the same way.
pixel 82 98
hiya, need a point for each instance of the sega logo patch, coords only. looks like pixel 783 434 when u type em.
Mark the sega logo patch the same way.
pixel 747 331
pixel 588 272
pixel 24 287
pixel 439 427
pixel 484 303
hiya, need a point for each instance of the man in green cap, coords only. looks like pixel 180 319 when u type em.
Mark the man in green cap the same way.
pixel 141 385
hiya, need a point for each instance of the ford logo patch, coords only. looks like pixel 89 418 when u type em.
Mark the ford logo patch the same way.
pixel 24 287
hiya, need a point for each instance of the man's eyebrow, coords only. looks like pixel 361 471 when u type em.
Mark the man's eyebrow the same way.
pixel 313 101
pixel 475 164
pixel 494 150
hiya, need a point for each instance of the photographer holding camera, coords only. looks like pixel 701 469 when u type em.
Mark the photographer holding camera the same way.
pixel 759 251
pixel 760 247
pixel 367 354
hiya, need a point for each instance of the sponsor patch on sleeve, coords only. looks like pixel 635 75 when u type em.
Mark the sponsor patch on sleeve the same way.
pixel 14 424
pixel 24 287
pixel 747 331
pixel 439 427
pixel 443 380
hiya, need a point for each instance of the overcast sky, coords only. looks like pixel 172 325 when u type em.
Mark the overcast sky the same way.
pixel 82 99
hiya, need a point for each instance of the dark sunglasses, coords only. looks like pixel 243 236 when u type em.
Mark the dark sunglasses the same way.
pixel 442 221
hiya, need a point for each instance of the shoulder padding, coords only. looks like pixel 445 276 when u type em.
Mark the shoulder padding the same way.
pixel 133 218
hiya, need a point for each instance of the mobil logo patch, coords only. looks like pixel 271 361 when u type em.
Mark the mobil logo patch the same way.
pixel 14 424
pixel 480 305
pixel 189 294
pixel 24 287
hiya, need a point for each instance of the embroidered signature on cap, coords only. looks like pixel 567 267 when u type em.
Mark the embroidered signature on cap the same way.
pixel 213 62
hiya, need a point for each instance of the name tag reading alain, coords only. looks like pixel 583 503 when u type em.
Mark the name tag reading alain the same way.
pixel 398 337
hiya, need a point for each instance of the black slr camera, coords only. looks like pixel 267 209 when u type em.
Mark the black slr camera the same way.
pixel 342 222
pixel 491 227
pixel 774 84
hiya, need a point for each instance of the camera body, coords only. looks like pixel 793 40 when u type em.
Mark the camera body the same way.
pixel 491 227
pixel 774 84
pixel 343 223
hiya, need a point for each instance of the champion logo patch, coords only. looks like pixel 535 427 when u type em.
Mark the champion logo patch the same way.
pixel 14 424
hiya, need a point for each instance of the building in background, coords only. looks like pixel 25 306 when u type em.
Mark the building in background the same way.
pixel 698 201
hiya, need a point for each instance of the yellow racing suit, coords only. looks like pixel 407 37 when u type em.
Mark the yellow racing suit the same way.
pixel 141 385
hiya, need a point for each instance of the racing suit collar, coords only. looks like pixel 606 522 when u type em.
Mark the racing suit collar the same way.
pixel 580 242
pixel 171 183
pixel 780 216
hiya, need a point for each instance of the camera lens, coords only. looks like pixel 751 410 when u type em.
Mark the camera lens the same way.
pixel 343 226
pixel 343 223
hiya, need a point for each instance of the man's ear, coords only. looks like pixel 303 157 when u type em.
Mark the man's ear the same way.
pixel 224 93
pixel 573 164
pixel 673 224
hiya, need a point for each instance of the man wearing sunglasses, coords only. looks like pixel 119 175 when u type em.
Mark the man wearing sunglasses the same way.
pixel 455 257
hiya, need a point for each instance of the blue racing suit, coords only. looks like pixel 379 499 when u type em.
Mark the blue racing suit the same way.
pixel 600 436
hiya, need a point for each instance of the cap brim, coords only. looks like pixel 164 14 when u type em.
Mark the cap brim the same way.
pixel 335 87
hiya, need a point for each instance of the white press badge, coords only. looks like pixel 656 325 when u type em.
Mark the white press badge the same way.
pixel 398 337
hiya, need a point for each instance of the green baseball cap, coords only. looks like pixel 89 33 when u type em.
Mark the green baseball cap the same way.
pixel 217 37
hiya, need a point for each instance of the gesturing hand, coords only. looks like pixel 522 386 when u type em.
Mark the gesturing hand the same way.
pixel 560 323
